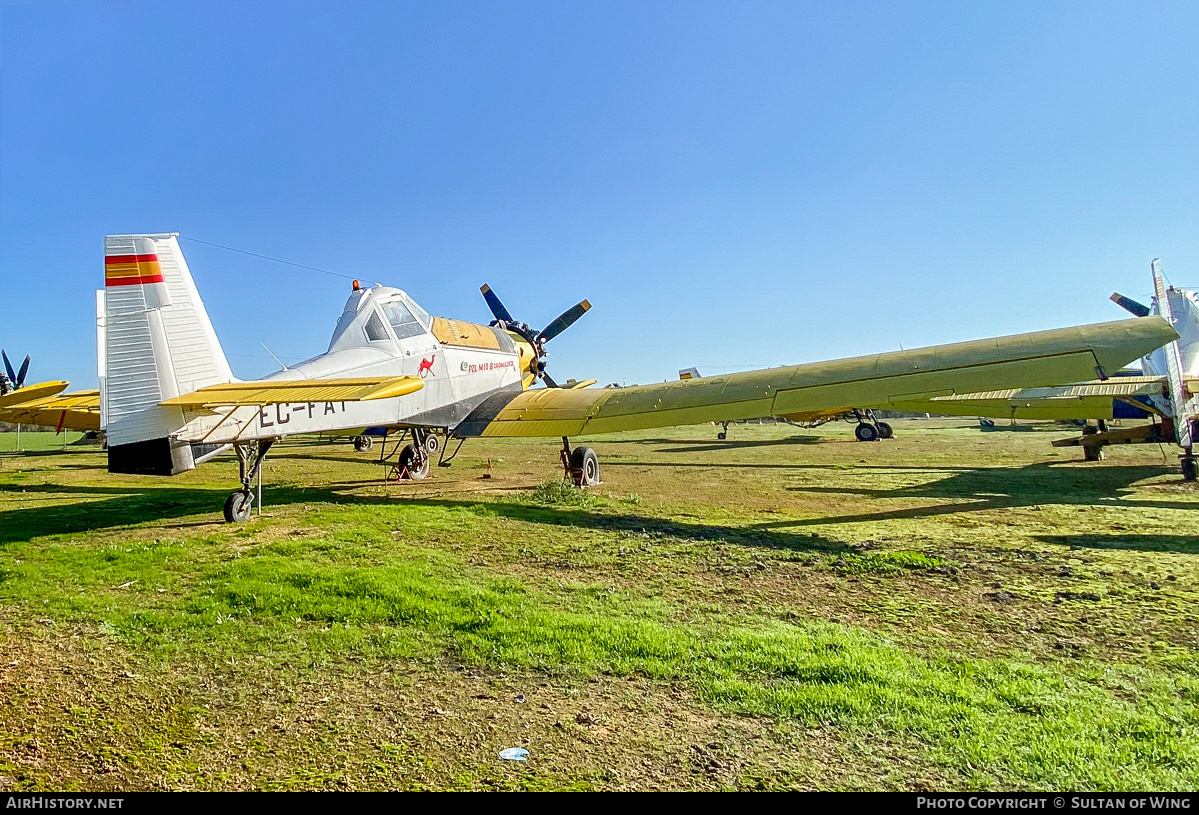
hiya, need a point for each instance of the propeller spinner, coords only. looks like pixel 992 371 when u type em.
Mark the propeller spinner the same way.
pixel 537 339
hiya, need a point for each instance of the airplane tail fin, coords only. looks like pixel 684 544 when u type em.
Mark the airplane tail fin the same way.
pixel 155 342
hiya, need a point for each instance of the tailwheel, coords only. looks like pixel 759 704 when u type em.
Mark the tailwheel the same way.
pixel 584 467
pixel 866 432
pixel 885 431
pixel 238 506
pixel 363 443
pixel 722 435
pixel 415 464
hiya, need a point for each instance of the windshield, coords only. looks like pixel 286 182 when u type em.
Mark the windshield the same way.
pixel 403 323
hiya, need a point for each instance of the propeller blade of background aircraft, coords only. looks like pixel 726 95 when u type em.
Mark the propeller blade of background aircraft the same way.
pixel 1128 304
pixel 21 373
pixel 493 303
pixel 564 321
pixel 12 377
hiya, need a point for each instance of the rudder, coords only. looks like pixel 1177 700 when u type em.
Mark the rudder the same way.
pixel 155 342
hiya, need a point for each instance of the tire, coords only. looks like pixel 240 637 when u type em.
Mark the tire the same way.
pixel 238 506
pixel 584 467
pixel 363 443
pixel 885 431
pixel 722 436
pixel 408 461
pixel 986 422
pixel 1190 469
pixel 866 432
pixel 432 444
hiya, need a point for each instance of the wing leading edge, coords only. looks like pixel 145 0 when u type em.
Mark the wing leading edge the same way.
pixel 1018 361
pixel 269 392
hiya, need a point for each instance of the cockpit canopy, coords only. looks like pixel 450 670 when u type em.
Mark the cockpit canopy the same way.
pixel 379 317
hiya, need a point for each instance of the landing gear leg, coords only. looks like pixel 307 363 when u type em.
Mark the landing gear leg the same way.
pixel 240 503
pixel 564 454
pixel 723 434
pixel 1092 452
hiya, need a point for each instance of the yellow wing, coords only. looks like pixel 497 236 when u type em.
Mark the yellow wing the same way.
pixel 1041 358
pixel 64 411
pixel 33 392
pixel 270 392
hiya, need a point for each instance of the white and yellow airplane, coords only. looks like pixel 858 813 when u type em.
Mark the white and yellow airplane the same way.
pixel 168 400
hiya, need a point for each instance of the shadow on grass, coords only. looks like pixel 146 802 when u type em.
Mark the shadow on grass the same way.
pixel 977 488
pixel 1183 544
pixel 131 506
pixel 1044 484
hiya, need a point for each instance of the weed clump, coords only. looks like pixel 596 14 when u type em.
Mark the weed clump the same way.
pixel 561 493
pixel 884 562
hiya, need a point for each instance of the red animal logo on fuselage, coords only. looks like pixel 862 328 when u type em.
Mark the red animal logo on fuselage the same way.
pixel 426 367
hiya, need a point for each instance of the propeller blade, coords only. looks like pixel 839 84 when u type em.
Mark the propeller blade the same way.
pixel 564 321
pixel 549 381
pixel 24 370
pixel 493 303
pixel 1130 305
pixel 12 377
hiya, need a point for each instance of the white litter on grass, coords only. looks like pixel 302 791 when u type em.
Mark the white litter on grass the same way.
pixel 514 754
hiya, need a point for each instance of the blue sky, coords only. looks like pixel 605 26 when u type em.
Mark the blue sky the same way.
pixel 732 185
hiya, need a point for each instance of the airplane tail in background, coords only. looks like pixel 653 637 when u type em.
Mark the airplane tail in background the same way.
pixel 155 342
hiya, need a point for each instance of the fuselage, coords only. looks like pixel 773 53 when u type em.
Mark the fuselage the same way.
pixel 1184 308
pixel 383 333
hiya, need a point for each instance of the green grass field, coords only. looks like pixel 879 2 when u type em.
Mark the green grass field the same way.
pixel 785 609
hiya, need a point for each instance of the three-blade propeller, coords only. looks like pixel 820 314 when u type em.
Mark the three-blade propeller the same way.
pixel 537 339
pixel 13 380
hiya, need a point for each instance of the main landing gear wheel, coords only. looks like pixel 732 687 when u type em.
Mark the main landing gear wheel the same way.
pixel 432 445
pixel 584 467
pixel 363 443
pixel 885 431
pixel 417 466
pixel 1190 468
pixel 238 506
pixel 866 432
pixel 722 435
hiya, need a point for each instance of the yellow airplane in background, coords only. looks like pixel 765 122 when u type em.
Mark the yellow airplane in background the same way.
pixel 45 404
pixel 168 401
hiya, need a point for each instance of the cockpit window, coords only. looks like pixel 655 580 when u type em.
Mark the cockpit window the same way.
pixel 421 314
pixel 375 330
pixel 402 321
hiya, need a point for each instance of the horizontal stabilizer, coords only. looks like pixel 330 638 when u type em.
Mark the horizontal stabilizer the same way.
pixel 272 392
